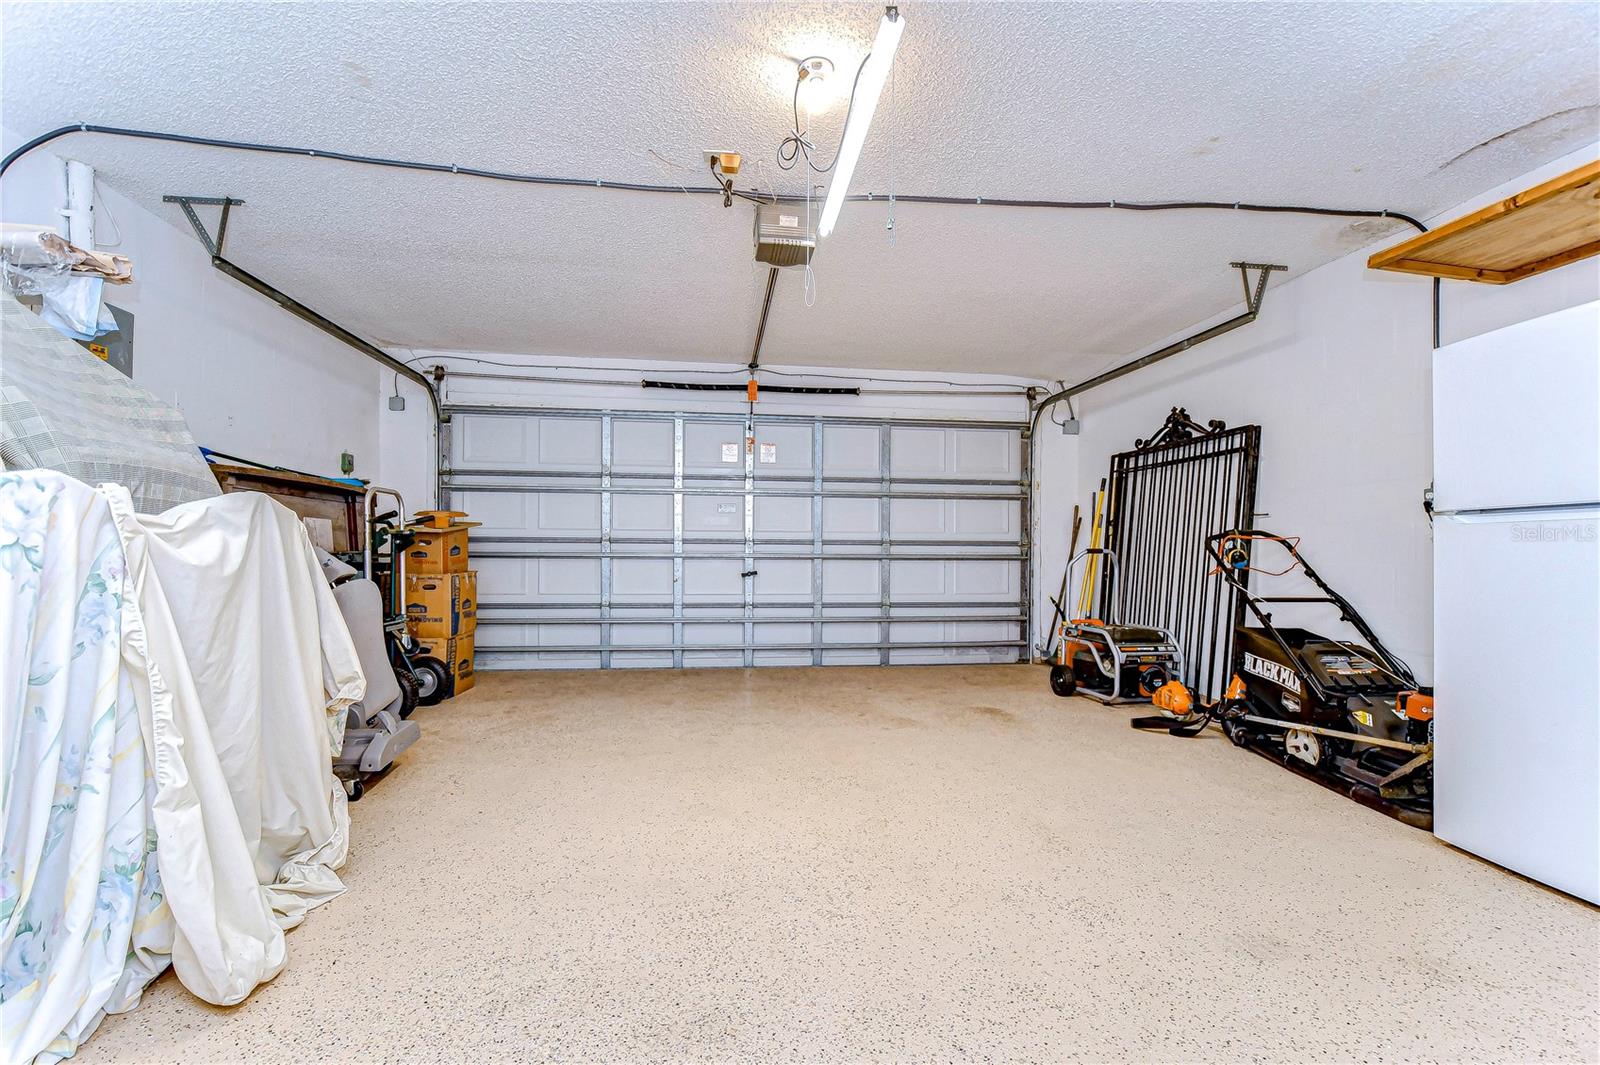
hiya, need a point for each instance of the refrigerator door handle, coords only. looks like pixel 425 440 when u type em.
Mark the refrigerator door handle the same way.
pixel 1553 512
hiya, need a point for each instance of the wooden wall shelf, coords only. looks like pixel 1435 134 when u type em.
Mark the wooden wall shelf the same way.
pixel 1547 226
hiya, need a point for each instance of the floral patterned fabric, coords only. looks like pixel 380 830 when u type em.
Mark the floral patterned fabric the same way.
pixel 83 920
pixel 172 687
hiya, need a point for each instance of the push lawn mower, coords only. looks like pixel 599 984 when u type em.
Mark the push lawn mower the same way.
pixel 1108 661
pixel 1346 712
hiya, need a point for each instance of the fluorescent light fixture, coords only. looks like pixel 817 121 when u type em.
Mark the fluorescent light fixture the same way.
pixel 873 75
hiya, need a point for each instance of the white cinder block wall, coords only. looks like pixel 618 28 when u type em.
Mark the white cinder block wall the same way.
pixel 250 378
pixel 1337 371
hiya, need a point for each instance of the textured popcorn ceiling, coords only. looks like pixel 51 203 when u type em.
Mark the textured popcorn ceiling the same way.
pixel 1380 106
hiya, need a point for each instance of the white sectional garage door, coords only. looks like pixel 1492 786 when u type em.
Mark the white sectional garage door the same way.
pixel 620 538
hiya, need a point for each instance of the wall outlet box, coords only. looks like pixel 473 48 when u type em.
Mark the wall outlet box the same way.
pixel 397 403
pixel 1069 427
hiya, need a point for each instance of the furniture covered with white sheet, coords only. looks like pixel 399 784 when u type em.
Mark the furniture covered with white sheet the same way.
pixel 191 670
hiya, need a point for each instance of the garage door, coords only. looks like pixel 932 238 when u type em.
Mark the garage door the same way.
pixel 637 539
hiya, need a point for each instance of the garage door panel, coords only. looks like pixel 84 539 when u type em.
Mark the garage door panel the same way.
pixel 641 635
pixel 704 447
pixel 567 577
pixel 567 514
pixel 711 580
pixel 984 454
pixel 641 580
pixel 504 579
pixel 497 638
pixel 850 580
pixel 788 632
pixel 711 659
pixel 783 516
pixel 852 519
pixel 494 636
pixel 782 658
pixel 910 581
pixel 787 452
pixel 496 442
pixel 985 519
pixel 910 519
pixel 718 516
pixel 641 447
pixel 986 580
pixel 565 635
pixel 776 580
pixel 510 580
pixel 502 513
pixel 919 452
pixel 640 516
pixel 641 660
pixel 850 451
pixel 568 444
pixel 850 632
pixel 700 610
pixel 488 662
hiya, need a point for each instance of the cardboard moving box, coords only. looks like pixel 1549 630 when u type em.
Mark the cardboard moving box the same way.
pixel 442 606
pixel 441 542
pixel 456 654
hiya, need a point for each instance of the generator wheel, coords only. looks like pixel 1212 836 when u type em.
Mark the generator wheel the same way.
pixel 433 679
pixel 1063 681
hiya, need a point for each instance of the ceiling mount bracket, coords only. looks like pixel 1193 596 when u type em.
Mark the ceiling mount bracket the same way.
pixel 1252 299
pixel 188 204
pixel 1254 292
pixel 294 306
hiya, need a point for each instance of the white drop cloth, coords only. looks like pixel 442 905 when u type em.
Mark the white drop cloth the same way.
pixel 172 694
pixel 242 669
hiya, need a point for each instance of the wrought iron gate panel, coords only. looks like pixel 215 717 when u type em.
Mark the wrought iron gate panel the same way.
pixel 1163 498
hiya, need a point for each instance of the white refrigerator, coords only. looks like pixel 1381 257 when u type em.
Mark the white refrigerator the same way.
pixel 1516 548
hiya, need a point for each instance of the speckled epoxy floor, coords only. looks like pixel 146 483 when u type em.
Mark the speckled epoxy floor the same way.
pixel 908 863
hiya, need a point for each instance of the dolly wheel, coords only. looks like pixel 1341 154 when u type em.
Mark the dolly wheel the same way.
pixel 1062 680
pixel 433 680
pixel 353 789
pixel 408 692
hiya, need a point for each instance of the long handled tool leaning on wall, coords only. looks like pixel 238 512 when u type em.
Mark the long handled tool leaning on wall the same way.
pixel 1061 595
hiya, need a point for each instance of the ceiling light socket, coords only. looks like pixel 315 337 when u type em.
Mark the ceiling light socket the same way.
pixel 727 162
pixel 815 67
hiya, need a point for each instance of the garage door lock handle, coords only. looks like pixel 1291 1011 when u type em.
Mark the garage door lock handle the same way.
pixel 749 573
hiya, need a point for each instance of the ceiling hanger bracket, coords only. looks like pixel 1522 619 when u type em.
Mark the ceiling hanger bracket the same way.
pixel 188 203
pixel 214 246
pixel 1253 298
